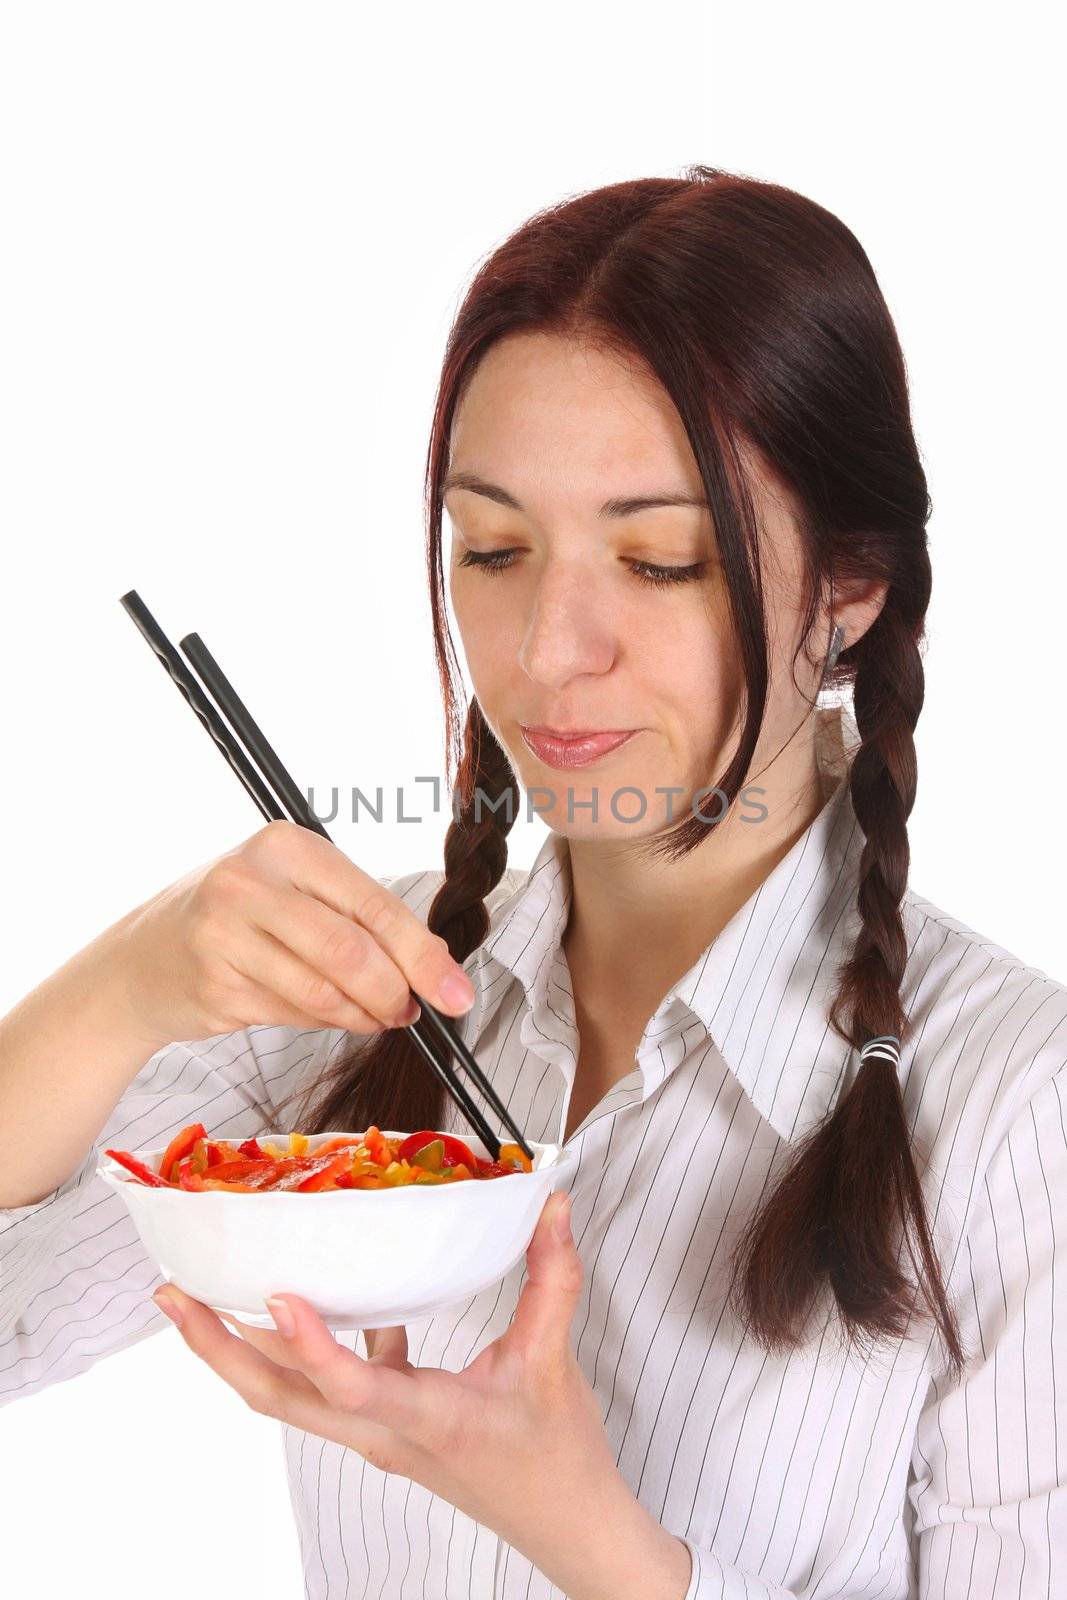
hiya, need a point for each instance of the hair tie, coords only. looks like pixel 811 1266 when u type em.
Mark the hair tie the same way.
pixel 885 1047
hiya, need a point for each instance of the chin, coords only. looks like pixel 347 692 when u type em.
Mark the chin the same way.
pixel 563 800
pixel 606 829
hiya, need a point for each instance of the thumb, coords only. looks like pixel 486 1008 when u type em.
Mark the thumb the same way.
pixel 549 1296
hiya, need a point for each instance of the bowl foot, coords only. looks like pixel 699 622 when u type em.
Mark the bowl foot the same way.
pixel 263 1319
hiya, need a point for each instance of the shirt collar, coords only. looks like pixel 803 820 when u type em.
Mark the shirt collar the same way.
pixel 762 989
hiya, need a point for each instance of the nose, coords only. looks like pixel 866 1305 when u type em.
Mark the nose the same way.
pixel 568 632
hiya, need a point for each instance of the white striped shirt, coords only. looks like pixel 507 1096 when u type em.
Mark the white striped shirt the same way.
pixel 817 1474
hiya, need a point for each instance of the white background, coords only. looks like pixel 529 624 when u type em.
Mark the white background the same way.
pixel 234 237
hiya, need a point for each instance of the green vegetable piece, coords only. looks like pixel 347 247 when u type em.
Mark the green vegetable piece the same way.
pixel 430 1156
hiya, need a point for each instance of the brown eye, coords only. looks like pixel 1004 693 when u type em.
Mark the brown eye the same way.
pixel 647 571
pixel 488 560
pixel 662 576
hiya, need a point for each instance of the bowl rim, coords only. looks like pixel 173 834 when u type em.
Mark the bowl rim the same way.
pixel 112 1172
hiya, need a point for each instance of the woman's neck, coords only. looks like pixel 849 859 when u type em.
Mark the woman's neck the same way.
pixel 667 912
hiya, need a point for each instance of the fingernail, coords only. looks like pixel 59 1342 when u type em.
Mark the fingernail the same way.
pixel 457 990
pixel 407 1016
pixel 562 1220
pixel 168 1306
pixel 283 1318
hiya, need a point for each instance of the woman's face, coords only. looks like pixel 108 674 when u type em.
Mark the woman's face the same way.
pixel 603 608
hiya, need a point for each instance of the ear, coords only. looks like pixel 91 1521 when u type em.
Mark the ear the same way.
pixel 857 606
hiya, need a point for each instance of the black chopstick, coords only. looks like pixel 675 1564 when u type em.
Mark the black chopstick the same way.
pixel 258 746
pixel 249 732
pixel 187 684
pixel 439 1025
pixel 244 726
pixel 442 1068
pixel 256 743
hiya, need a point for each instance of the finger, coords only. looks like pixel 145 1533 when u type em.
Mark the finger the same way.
pixel 284 1392
pixel 266 1387
pixel 267 961
pixel 321 870
pixel 258 1002
pixel 541 1325
pixel 374 1392
pixel 268 1341
pixel 349 958
pixel 390 1350
pixel 389 1346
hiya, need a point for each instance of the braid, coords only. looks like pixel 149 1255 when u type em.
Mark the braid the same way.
pixel 476 844
pixel 888 697
pixel 852 1184
pixel 387 1082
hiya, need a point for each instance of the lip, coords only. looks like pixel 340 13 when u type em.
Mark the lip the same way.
pixel 577 748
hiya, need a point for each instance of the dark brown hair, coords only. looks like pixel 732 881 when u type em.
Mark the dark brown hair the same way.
pixel 760 314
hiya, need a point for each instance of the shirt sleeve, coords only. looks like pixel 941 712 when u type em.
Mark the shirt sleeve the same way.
pixel 75 1280
pixel 712 1579
pixel 989 1473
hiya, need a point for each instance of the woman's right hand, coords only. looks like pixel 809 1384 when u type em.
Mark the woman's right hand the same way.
pixel 284 929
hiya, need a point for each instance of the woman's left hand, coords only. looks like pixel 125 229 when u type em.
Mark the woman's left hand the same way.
pixel 514 1434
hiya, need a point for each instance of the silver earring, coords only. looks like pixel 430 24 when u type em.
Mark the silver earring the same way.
pixel 836 644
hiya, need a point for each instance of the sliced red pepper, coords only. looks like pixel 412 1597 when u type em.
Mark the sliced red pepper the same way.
pixel 218 1164
pixel 343 1141
pixel 139 1170
pixel 180 1146
pixel 225 1151
pixel 340 1163
pixel 456 1151
pixel 413 1142
pixel 259 1179
pixel 287 1174
pixel 244 1167
pixel 260 1174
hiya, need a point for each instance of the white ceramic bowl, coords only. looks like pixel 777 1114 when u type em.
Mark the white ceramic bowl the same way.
pixel 364 1258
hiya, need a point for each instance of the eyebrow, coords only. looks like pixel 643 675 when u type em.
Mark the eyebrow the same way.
pixel 619 507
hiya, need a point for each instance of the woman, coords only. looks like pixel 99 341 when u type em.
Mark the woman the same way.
pixel 673 440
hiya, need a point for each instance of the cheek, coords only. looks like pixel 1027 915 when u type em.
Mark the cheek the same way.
pixel 693 670
pixel 490 631
pixel 687 655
